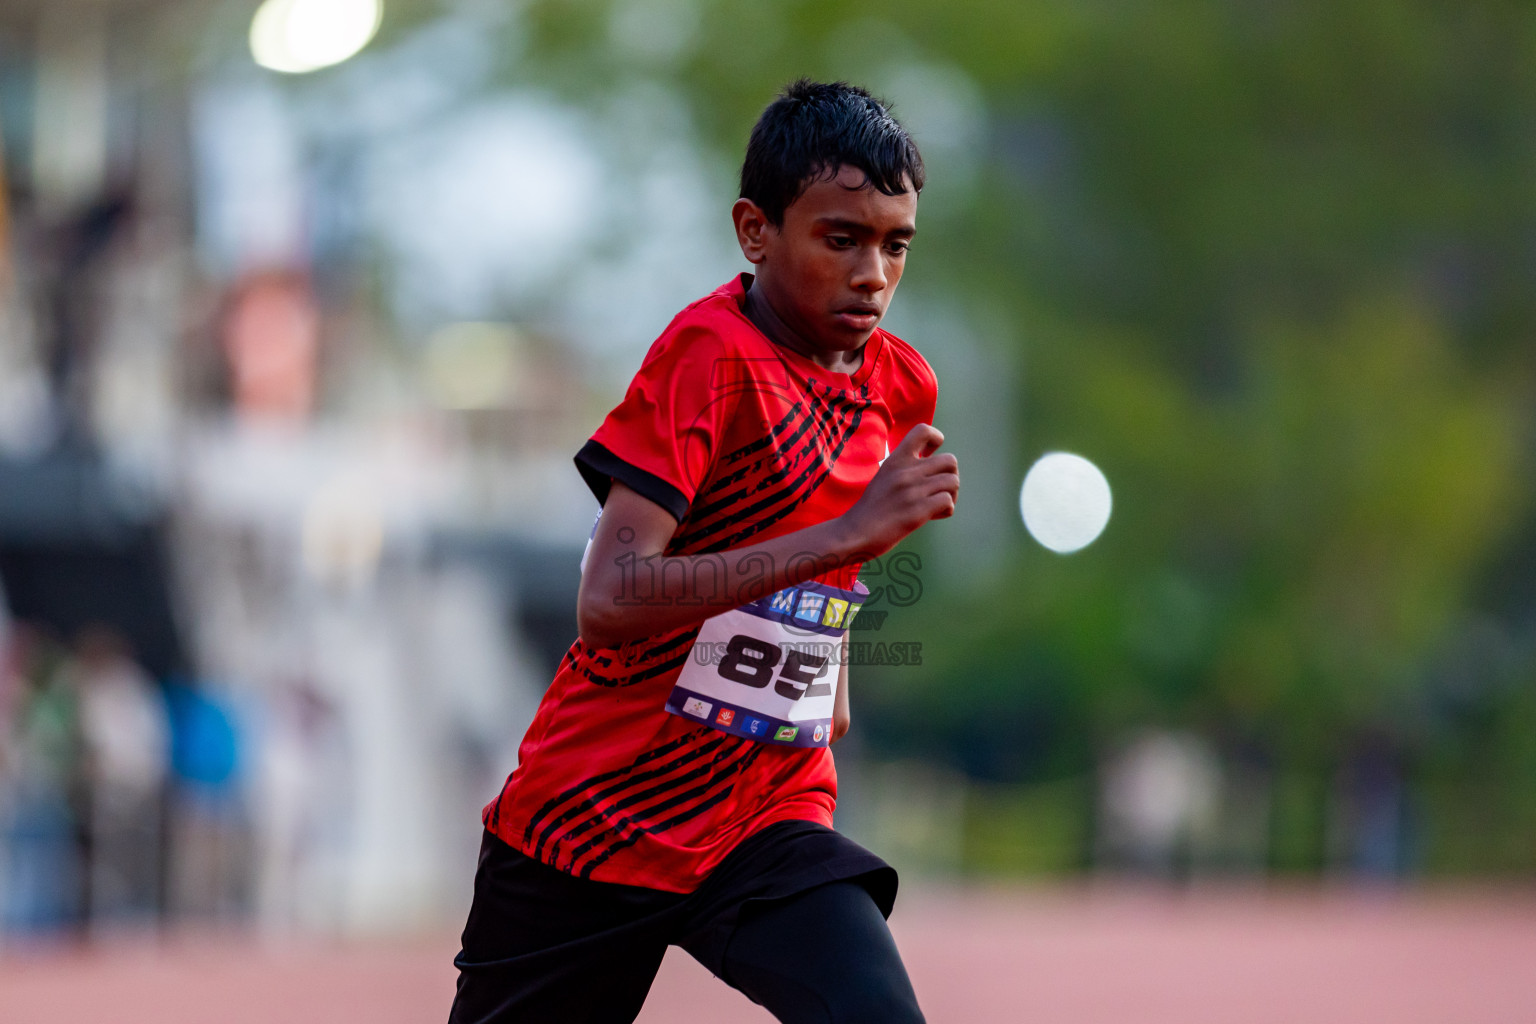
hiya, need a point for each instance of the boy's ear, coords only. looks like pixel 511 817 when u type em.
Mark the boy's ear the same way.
pixel 753 230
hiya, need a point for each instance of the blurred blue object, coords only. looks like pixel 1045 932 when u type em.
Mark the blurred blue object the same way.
pixel 205 742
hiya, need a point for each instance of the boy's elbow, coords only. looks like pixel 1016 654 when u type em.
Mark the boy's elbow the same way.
pixel 596 622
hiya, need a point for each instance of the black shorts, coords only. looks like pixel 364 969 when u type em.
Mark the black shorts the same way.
pixel 542 945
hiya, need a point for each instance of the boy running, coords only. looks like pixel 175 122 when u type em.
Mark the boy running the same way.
pixel 675 786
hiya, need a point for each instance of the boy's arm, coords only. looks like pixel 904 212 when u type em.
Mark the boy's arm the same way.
pixel 617 602
pixel 841 718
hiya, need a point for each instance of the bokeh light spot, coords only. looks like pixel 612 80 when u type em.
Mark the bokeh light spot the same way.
pixel 1065 502
pixel 295 36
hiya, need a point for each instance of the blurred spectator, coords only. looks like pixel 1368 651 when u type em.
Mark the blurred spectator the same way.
pixel 126 743
pixel 1160 798
pixel 300 812
pixel 271 338
pixel 207 869
pixel 1371 830
pixel 41 862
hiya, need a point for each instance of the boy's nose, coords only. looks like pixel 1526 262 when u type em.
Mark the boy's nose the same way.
pixel 869 274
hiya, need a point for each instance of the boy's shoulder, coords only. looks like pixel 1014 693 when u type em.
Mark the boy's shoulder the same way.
pixel 713 325
pixel 910 362
pixel 906 382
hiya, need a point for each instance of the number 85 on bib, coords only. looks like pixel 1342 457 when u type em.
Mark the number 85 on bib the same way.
pixel 768 671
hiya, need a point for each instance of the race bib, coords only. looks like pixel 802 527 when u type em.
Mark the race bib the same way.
pixel 768 670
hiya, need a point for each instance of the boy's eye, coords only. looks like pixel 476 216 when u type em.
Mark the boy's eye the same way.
pixel 841 241
pixel 898 248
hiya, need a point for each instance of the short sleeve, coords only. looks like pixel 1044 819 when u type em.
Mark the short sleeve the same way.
pixel 912 393
pixel 661 439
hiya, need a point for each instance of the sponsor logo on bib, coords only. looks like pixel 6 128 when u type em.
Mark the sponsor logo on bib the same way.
pixel 836 609
pixel 810 606
pixel 768 670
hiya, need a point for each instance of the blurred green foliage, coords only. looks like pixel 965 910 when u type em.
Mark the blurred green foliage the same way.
pixel 1270 265
pixel 1041 829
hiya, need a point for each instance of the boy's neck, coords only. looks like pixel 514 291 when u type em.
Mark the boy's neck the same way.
pixel 765 318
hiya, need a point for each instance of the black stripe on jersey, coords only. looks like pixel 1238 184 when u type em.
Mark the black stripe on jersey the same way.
pixel 634 836
pixel 780 446
pixel 684 635
pixel 627 777
pixel 810 455
pixel 606 660
pixel 646 758
pixel 822 420
pixel 672 822
pixel 643 671
pixel 611 815
pixel 640 676
pixel 589 804
pixel 619 827
pixel 753 447
pixel 797 491
pixel 496 807
pixel 804 493
pixel 813 430
pixel 824 413
pixel 780 439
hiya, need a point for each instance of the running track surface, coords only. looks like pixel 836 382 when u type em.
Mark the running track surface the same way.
pixel 1091 956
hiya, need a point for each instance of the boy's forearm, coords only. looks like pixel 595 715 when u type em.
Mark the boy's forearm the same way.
pixel 654 594
pixel 842 717
pixel 626 595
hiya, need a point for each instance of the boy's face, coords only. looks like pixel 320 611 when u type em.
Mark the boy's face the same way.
pixel 830 269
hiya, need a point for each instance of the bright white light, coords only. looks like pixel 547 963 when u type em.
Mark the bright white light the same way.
pixel 1065 501
pixel 295 36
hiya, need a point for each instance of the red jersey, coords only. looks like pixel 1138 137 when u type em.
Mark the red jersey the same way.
pixel 741 440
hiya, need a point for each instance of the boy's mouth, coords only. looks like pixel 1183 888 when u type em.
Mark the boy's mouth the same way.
pixel 861 316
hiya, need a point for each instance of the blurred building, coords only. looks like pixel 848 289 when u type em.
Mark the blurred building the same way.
pixel 283 575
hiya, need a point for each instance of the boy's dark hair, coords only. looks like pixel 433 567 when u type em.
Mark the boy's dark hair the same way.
pixel 814 128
